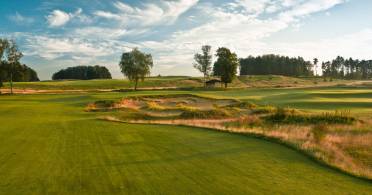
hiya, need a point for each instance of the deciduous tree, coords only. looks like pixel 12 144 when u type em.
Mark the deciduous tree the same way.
pixel 14 55
pixel 136 65
pixel 227 64
pixel 204 61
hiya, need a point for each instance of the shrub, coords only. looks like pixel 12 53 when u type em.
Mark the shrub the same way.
pixel 215 106
pixel 319 132
pixel 296 82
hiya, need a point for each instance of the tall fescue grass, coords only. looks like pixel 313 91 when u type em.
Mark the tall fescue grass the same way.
pixel 289 116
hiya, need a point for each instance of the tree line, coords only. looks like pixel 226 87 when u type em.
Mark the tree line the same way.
pixel 347 68
pixel 83 73
pixel 10 68
pixel 271 64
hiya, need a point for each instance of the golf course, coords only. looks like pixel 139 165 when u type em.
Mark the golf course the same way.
pixel 50 145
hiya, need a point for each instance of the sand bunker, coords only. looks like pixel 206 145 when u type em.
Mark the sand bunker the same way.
pixel 170 105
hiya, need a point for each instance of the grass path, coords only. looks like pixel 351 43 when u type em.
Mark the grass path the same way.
pixel 48 144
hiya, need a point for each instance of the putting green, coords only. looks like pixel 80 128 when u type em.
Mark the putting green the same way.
pixel 48 144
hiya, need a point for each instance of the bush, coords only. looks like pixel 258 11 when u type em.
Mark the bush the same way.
pixel 319 132
pixel 215 106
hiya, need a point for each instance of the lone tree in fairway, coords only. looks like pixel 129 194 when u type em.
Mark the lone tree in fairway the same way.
pixel 136 65
pixel 226 64
pixel 13 55
pixel 204 62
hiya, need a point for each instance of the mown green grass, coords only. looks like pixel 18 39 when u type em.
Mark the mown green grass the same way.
pixel 49 144
pixel 103 84
pixel 179 82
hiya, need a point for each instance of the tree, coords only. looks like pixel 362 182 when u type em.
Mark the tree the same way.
pixel 316 65
pixel 4 44
pixel 14 55
pixel 226 64
pixel 135 65
pixel 204 62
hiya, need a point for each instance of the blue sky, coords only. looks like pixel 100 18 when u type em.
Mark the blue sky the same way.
pixel 57 34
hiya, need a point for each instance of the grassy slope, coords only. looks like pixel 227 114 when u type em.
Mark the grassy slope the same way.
pixel 241 81
pixel 48 144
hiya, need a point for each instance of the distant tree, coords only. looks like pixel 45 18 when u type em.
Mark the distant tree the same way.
pixel 4 44
pixel 14 55
pixel 227 64
pixel 83 73
pixel 315 60
pixel 204 62
pixel 136 65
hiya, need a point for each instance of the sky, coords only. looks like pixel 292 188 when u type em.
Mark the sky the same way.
pixel 57 34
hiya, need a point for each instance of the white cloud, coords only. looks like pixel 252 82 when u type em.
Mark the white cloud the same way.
pixel 59 18
pixel 327 14
pixel 304 9
pixel 163 13
pixel 20 19
pixel 124 7
pixel 108 33
pixel 108 15
pixel 252 6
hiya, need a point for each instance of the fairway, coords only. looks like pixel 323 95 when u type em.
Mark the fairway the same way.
pixel 48 144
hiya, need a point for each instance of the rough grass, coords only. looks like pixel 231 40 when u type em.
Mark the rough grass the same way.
pixel 289 116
